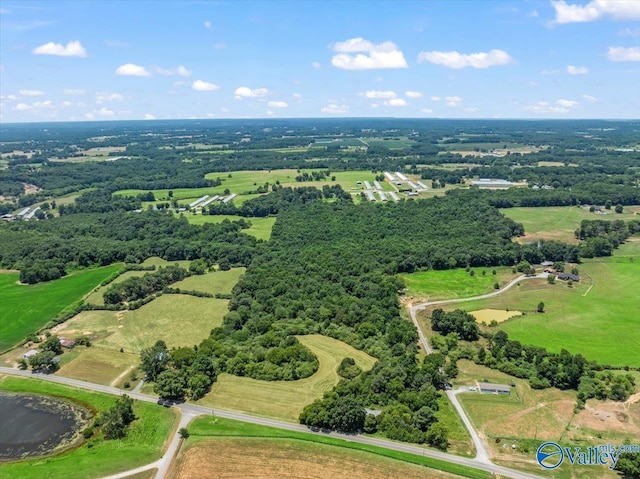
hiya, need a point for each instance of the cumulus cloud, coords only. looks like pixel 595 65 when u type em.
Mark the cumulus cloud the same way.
pixel 67 104
pixel 201 85
pixel 73 92
pixel 105 112
pixel 208 25
pixel 567 103
pixel 335 109
pixel 435 98
pixel 72 49
pixel 396 102
pixel 246 92
pixel 22 107
pixel 560 106
pixel 297 96
pixel 595 10
pixel 624 54
pixel 573 70
pixel 453 101
pixel 278 104
pixel 131 69
pixel 590 98
pixel 149 116
pixel 460 60
pixel 413 94
pixel 102 97
pixel 31 93
pixel 360 54
pixel 179 71
pixel 379 94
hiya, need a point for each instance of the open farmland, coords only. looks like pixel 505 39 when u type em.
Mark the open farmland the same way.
pixel 100 366
pixel 559 222
pixel 27 308
pixel 285 399
pixel 97 457
pixel 260 227
pixel 178 319
pixel 214 282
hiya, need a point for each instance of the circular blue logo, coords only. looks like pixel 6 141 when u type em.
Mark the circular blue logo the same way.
pixel 549 455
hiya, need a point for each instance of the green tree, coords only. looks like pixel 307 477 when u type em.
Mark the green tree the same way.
pixel 540 307
pixel 44 361
pixel 52 343
pixel 154 360
pixel 619 208
pixel 170 383
pixel 437 436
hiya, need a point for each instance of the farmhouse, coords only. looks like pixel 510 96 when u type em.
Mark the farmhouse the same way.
pixel 568 276
pixel 487 388
pixel 31 352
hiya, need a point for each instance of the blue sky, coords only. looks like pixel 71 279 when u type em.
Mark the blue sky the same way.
pixel 117 60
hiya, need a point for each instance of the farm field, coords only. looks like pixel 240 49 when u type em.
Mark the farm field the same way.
pixel 206 431
pixel 559 222
pixel 179 320
pixel 454 283
pixel 27 308
pixel 214 282
pixel 393 143
pixel 260 227
pixel 95 458
pixel 286 399
pixel 528 417
pixel 100 366
pixel 595 317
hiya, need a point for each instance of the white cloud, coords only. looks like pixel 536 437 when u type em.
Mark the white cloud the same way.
pixel 590 98
pixel 131 69
pixel 31 93
pixel 560 106
pixel 297 96
pixel 470 109
pixel 246 92
pixel 316 65
pixel 379 94
pixel 43 104
pixel 149 116
pixel 622 54
pixel 102 97
pixel 73 92
pixel 574 70
pixel 269 112
pixel 628 32
pixel 89 116
pixel 335 109
pixel 453 101
pixel 567 103
pixel 435 98
pixel 225 110
pixel 533 13
pixel 595 10
pixel 396 102
pixel 73 49
pixel 179 71
pixel 413 94
pixel 105 112
pixel 201 85
pixel 426 110
pixel 460 60
pixel 22 107
pixel 208 25
pixel 277 104
pixel 67 104
pixel 368 56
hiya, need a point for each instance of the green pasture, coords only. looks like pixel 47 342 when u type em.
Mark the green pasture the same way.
pixel 214 282
pixel 27 308
pixel 393 143
pixel 455 283
pixel 260 227
pixel 96 457
pixel 212 427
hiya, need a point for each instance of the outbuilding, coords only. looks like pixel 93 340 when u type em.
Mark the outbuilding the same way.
pixel 490 388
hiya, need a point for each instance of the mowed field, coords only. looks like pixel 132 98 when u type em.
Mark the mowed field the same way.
pixel 559 222
pixel 27 308
pixel 260 227
pixel 286 399
pixel 98 365
pixel 97 457
pixel 455 283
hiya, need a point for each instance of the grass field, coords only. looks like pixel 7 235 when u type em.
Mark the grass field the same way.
pixel 96 457
pixel 209 430
pixel 559 222
pixel 178 319
pixel 393 143
pixel 100 366
pixel 286 399
pixel 260 227
pixel 454 283
pixel 596 317
pixel 27 308
pixel 215 282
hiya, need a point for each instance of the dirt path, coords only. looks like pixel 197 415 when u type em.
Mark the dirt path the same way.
pixel 121 375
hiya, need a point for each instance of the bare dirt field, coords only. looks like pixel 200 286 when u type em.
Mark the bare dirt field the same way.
pixel 499 315
pixel 280 458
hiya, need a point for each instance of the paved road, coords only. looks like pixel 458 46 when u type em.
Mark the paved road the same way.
pixel 482 455
pixel 191 410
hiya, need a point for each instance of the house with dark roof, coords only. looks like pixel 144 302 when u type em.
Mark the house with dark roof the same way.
pixel 568 276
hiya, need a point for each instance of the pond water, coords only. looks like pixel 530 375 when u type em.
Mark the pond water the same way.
pixel 33 425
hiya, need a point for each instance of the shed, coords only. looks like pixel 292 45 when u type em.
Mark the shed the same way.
pixel 546 263
pixel 494 388
pixel 67 343
pixel 31 352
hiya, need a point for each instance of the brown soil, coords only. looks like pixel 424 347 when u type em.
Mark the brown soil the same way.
pixel 281 458
pixel 624 418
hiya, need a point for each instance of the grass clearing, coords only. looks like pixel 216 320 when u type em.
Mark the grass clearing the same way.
pixel 559 222
pixel 286 399
pixel 455 283
pixel 27 308
pixel 178 319
pixel 100 366
pixel 143 444
pixel 213 429
pixel 260 227
pixel 214 282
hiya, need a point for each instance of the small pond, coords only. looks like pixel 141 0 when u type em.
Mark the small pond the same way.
pixel 33 425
